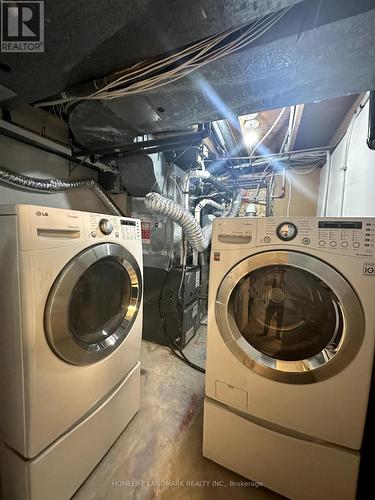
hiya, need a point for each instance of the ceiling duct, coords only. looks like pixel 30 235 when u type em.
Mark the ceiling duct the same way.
pixel 141 174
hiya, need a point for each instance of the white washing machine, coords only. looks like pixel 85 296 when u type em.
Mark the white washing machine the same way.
pixel 291 329
pixel 71 325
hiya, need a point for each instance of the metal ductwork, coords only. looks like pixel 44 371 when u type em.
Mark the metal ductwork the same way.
pixel 141 174
pixel 55 186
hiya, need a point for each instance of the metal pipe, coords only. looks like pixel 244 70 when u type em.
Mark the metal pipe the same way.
pixel 206 176
pixel 55 186
pixel 30 138
pixel 273 155
pixel 149 151
pixel 171 140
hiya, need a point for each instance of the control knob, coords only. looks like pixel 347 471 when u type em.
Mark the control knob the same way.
pixel 105 226
pixel 286 231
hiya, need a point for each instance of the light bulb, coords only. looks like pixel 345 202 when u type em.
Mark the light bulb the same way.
pixel 251 137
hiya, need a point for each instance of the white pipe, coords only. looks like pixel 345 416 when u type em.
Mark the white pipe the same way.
pixel 197 213
pixel 193 174
pixel 202 204
pixel 328 182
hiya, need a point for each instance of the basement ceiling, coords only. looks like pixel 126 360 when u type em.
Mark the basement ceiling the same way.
pixel 90 39
pixel 318 123
pixel 316 52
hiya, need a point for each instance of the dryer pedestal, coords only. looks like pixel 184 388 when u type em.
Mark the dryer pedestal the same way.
pixel 60 469
pixel 289 465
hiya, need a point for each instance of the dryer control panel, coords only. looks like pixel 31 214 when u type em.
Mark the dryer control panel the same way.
pixel 354 237
pixel 47 227
pixel 102 226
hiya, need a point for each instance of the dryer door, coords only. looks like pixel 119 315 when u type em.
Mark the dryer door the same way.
pixel 289 317
pixel 93 304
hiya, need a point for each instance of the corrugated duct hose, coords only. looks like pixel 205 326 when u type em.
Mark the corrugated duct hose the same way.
pixel 198 237
pixel 19 181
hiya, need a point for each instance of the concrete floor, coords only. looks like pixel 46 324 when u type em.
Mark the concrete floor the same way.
pixel 164 440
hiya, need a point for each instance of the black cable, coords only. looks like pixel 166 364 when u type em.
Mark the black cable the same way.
pixel 181 356
pixel 176 351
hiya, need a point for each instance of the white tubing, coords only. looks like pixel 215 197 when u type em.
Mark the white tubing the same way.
pixel 202 204
pixel 199 238
pixel 197 213
pixel 163 206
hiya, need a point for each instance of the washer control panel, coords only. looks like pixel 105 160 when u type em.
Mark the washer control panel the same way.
pixel 114 227
pixel 354 237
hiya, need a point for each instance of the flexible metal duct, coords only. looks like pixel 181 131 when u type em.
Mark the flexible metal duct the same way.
pixel 158 204
pixel 234 209
pixel 199 238
pixel 55 186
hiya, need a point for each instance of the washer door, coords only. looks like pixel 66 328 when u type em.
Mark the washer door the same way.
pixel 93 304
pixel 289 317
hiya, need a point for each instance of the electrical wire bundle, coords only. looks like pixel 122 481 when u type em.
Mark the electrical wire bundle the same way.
pixel 146 76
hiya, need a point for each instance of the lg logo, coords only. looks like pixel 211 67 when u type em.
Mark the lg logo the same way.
pixel 22 26
pixel 41 214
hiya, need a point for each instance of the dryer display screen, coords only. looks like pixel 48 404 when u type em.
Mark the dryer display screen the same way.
pixel 128 223
pixel 339 225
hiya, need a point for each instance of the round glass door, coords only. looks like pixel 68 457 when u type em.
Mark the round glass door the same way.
pixel 289 316
pixel 93 304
